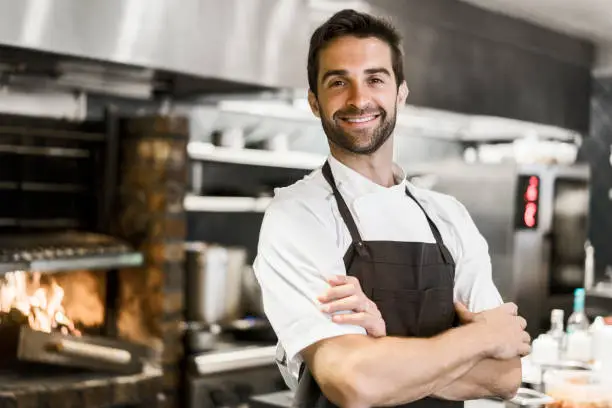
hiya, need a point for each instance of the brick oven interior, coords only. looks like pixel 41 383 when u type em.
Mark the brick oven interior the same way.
pixel 91 232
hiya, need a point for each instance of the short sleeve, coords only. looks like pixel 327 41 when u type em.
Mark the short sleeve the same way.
pixel 474 284
pixel 297 252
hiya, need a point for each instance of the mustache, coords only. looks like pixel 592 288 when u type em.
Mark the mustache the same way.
pixel 359 112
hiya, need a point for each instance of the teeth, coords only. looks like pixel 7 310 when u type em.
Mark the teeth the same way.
pixel 360 120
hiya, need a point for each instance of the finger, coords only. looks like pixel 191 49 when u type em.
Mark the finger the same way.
pixel 353 302
pixel 464 314
pixel 510 308
pixel 522 322
pixel 338 292
pixel 526 338
pixel 374 326
pixel 372 309
pixel 358 319
pixel 524 350
pixel 337 280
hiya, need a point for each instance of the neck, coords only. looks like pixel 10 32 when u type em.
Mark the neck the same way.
pixel 377 166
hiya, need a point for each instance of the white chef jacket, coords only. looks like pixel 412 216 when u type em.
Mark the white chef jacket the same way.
pixel 303 240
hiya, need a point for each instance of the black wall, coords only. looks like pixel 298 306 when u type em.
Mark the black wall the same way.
pixel 597 151
pixel 462 58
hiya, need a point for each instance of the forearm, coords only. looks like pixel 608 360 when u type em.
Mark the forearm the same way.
pixel 393 371
pixel 488 378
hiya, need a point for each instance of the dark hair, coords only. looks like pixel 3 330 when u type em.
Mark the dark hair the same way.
pixel 361 25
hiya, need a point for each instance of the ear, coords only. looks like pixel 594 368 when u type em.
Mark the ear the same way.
pixel 314 104
pixel 402 93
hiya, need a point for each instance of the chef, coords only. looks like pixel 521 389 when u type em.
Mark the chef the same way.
pixel 380 292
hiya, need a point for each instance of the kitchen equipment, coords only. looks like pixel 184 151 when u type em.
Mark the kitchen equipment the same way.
pixel 251 329
pixel 534 219
pixel 214 283
pixel 231 374
pixel 251 293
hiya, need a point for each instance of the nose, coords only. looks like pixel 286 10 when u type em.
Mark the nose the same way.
pixel 358 97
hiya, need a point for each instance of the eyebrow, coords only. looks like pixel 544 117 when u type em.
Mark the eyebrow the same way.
pixel 342 72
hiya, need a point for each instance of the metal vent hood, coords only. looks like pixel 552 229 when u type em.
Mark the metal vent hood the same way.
pixel 260 43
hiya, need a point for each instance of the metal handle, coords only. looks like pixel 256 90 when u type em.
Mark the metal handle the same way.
pixel 527 396
pixel 101 353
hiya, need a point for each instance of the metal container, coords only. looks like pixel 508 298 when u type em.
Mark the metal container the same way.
pixel 214 283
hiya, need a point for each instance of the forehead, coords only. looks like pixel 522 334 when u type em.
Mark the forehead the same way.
pixel 354 55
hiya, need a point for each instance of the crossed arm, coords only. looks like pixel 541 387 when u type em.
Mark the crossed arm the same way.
pixel 478 359
pixel 488 378
pixel 358 371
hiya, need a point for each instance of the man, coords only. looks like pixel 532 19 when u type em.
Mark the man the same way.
pixel 364 276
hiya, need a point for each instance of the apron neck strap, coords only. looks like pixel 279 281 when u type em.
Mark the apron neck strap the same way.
pixel 436 232
pixel 345 213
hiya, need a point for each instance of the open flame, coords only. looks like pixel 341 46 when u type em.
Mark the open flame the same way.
pixel 23 295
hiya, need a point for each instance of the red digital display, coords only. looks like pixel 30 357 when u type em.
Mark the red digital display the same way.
pixel 530 202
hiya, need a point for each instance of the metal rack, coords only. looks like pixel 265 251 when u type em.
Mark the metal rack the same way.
pixel 57 179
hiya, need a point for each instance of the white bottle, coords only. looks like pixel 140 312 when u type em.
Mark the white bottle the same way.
pixel 545 350
pixel 557 331
pixel 578 320
pixel 602 350
pixel 579 346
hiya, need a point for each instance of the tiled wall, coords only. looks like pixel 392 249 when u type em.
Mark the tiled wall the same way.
pixel 597 150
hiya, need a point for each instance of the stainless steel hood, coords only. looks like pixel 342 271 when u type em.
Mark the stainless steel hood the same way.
pixel 258 42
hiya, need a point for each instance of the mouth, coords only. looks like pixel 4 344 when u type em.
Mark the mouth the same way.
pixel 362 120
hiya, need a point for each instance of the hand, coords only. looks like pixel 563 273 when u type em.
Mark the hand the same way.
pixel 346 294
pixel 502 327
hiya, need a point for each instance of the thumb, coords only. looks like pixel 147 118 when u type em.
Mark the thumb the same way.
pixel 465 316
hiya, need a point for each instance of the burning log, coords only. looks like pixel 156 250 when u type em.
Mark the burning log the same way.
pixel 34 302
pixel 14 317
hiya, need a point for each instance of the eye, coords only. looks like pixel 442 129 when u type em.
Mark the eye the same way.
pixel 336 83
pixel 376 81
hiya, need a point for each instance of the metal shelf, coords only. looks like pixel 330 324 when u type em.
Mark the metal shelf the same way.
pixel 65 251
pixel 254 157
pixel 103 261
pixel 196 203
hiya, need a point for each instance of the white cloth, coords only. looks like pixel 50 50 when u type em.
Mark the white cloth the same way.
pixel 303 240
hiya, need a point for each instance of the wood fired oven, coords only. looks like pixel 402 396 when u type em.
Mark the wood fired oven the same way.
pixel 84 216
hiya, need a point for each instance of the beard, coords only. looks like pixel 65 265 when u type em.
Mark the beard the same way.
pixel 360 141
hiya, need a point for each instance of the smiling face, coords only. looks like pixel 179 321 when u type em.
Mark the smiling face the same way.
pixel 357 93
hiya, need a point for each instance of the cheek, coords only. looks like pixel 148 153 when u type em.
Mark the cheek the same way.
pixel 328 109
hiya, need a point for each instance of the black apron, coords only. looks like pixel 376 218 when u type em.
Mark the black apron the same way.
pixel 410 282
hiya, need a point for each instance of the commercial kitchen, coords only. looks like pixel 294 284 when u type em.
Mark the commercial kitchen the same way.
pixel 141 142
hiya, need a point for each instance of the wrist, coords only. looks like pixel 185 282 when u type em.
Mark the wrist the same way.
pixel 485 342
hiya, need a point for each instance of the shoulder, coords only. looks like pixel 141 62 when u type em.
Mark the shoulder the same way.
pixel 304 204
pixel 310 190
